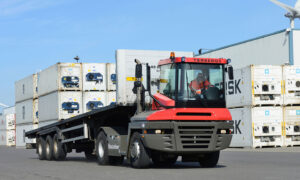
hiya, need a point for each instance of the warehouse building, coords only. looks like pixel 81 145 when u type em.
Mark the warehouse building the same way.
pixel 281 47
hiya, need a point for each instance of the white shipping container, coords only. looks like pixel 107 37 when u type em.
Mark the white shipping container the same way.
pixel 36 111
pixel 7 138
pixel 59 105
pixel 24 112
pixel 94 76
pixel 10 120
pixel 111 98
pixel 21 140
pixel 292 126
pixel 61 76
pixel 255 85
pixel 93 100
pixel 26 88
pixel 126 71
pixel 111 76
pixel 275 49
pixel 291 78
pixel 257 127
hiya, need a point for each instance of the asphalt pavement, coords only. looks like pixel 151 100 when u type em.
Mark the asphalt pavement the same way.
pixel 240 164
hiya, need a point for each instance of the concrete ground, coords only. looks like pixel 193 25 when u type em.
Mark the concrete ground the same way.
pixel 268 164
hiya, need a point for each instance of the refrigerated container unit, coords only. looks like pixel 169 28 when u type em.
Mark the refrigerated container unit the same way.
pixel 255 85
pixel 59 105
pixel 292 126
pixel 93 100
pixel 291 78
pixel 10 121
pixel 60 77
pixel 111 98
pixel 94 76
pixel 24 112
pixel 257 127
pixel 111 76
pixel 126 76
pixel 26 88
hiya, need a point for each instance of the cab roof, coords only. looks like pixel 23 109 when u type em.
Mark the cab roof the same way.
pixel 193 60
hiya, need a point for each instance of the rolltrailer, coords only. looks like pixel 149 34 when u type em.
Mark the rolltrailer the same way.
pixel 178 122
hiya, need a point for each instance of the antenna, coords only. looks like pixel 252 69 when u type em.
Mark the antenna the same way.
pixel 293 12
pixel 76 59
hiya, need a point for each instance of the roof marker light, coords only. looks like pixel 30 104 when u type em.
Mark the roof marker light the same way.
pixel 228 61
pixel 183 59
pixel 172 55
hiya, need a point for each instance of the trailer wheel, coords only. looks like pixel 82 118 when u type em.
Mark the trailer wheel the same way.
pixel 49 148
pixel 59 152
pixel 102 149
pixel 138 154
pixel 41 148
pixel 210 160
pixel 162 159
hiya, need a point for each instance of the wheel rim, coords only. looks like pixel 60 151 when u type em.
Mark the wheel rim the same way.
pixel 135 151
pixel 40 148
pixel 47 148
pixel 100 150
pixel 55 147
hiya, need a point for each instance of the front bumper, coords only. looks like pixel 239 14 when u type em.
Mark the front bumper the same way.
pixel 188 136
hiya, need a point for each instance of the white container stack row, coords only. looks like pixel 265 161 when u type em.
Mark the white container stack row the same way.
pixel 263 101
pixel 8 127
pixel 62 91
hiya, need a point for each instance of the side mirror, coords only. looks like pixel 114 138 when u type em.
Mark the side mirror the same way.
pixel 148 77
pixel 138 69
pixel 230 72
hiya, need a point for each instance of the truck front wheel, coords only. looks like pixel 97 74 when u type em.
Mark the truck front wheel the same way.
pixel 210 159
pixel 138 154
pixel 41 148
pixel 102 149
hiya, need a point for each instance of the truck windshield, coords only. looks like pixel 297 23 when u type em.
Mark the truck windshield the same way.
pixel 199 85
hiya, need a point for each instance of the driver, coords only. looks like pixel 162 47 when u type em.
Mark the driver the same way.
pixel 199 83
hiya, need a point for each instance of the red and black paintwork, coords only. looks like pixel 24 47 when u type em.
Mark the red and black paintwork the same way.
pixel 193 60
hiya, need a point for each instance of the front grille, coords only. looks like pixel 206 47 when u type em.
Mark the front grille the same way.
pixel 194 137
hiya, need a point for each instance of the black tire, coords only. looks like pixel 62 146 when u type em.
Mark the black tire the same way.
pixel 210 159
pixel 162 159
pixel 41 148
pixel 102 149
pixel 59 150
pixel 138 154
pixel 49 148
pixel 89 155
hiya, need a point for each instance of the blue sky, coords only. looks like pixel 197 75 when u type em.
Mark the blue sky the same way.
pixel 35 34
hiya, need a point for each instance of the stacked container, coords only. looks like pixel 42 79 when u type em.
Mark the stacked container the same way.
pixel 94 86
pixel 26 94
pixel 60 92
pixel 255 101
pixel 8 127
pixel 291 101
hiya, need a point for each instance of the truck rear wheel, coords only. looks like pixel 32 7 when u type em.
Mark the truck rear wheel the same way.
pixel 102 149
pixel 210 159
pixel 49 148
pixel 59 151
pixel 162 159
pixel 138 154
pixel 41 148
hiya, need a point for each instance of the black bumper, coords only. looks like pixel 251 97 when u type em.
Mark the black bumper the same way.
pixel 188 137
